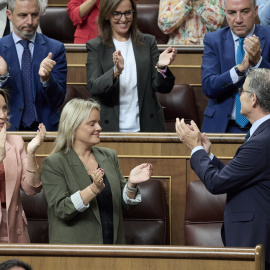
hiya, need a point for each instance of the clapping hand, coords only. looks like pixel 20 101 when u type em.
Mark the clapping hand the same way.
pixel 3 136
pixel 118 61
pixel 139 174
pixel 253 48
pixel 167 57
pixel 38 140
pixel 189 135
pixel 97 176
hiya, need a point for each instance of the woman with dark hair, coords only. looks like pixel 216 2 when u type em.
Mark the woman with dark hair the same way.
pixel 124 70
pixel 17 171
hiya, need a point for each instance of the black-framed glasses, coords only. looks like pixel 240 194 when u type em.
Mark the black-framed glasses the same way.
pixel 241 90
pixel 117 15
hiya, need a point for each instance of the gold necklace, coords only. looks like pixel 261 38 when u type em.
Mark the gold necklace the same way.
pixel 85 166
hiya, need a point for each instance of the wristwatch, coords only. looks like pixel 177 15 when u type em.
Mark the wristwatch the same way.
pixel 238 72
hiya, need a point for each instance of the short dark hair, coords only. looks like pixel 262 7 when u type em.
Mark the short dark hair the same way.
pixel 6 265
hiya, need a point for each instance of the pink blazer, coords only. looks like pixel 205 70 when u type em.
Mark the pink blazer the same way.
pixel 15 164
pixel 87 26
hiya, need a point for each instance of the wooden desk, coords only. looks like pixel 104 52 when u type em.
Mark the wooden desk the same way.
pixel 170 159
pixel 84 257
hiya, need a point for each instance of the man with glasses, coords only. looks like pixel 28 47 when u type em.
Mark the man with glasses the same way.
pixel 246 178
pixel 228 54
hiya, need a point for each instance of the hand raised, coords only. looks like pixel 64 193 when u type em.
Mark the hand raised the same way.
pixel 46 67
pixel 3 136
pixel 253 48
pixel 245 65
pixel 206 143
pixel 38 140
pixel 167 57
pixel 97 176
pixel 140 173
pixel 189 135
pixel 118 60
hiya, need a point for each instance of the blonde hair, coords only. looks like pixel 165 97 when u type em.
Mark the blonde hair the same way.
pixel 73 114
pixel 4 94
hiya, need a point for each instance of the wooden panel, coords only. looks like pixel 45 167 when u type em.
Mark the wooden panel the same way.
pixel 70 257
pixel 186 67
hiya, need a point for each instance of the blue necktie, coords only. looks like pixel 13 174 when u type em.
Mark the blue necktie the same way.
pixel 247 135
pixel 241 120
pixel 28 116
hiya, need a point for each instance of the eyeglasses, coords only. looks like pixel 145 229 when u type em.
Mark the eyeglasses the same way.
pixel 241 90
pixel 117 15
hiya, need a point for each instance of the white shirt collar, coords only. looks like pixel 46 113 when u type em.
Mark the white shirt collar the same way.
pixel 256 124
pixel 17 39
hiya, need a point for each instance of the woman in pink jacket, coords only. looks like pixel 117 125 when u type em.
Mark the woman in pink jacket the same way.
pixel 83 14
pixel 17 171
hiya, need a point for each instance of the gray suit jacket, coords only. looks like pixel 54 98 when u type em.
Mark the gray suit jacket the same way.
pixel 64 174
pixel 104 89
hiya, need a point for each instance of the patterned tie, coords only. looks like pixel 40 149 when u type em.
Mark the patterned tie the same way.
pixel 28 116
pixel 247 135
pixel 241 120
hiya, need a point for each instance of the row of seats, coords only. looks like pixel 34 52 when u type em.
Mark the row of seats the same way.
pixel 56 24
pixel 148 223
pixel 180 102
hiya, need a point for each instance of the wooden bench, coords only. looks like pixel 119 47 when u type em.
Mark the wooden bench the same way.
pixel 85 257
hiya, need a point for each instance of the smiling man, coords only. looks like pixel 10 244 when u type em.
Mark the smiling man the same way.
pixel 228 54
pixel 33 68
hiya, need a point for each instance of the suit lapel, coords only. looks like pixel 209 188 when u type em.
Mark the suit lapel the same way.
pixel 83 179
pixel 10 175
pixel 107 64
pixel 228 55
pixel 11 55
pixel 141 54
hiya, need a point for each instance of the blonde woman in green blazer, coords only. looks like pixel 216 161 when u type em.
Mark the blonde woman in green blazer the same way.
pixel 83 184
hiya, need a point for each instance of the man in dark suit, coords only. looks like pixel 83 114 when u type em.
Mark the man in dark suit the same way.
pixel 48 69
pixel 222 74
pixel 246 178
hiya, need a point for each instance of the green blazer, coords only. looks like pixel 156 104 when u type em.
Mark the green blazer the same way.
pixel 99 72
pixel 64 174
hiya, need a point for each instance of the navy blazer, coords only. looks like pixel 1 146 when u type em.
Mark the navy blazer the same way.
pixel 47 99
pixel 218 59
pixel 246 180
